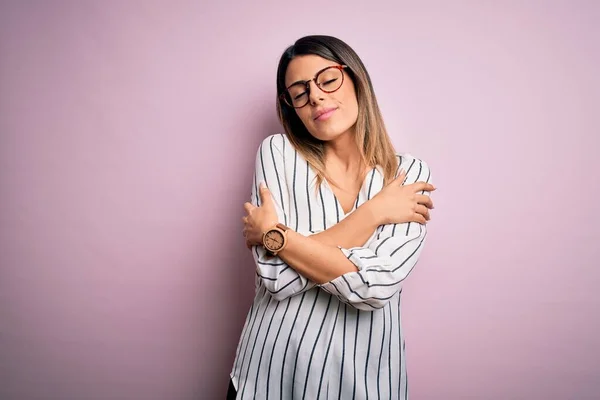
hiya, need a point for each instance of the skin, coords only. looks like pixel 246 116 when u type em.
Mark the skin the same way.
pixel 338 130
pixel 317 257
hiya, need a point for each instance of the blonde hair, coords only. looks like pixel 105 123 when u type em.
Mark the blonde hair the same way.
pixel 372 139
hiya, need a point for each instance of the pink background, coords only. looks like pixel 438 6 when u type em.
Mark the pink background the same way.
pixel 128 136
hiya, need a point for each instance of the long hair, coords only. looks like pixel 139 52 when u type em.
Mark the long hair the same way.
pixel 371 136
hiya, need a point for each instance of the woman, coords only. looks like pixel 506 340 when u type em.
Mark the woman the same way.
pixel 334 230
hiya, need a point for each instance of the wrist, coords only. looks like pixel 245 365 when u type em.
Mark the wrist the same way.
pixel 267 225
pixel 275 239
pixel 372 212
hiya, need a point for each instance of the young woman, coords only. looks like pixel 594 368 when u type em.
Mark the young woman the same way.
pixel 336 222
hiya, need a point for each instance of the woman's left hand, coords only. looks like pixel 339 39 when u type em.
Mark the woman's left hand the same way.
pixel 259 219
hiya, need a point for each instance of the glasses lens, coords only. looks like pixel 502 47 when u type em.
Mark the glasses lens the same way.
pixel 297 95
pixel 330 79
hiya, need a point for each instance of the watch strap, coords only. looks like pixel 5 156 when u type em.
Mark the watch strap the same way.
pixel 282 227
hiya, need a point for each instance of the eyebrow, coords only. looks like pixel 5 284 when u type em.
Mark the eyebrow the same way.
pixel 297 82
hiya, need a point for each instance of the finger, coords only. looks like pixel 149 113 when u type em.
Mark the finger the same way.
pixel 248 245
pixel 253 242
pixel 248 207
pixel 401 177
pixel 422 186
pixel 265 195
pixel 420 219
pixel 427 201
pixel 422 210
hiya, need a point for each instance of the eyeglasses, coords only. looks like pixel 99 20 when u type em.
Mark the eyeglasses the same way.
pixel 328 79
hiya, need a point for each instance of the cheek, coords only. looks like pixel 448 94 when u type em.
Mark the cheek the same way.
pixel 304 115
pixel 347 99
pixel 352 99
pixel 350 106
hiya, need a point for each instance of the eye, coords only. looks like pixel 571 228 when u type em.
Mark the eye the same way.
pixel 299 96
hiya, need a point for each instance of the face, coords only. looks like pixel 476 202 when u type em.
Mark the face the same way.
pixel 327 116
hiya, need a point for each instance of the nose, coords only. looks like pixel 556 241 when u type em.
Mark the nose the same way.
pixel 315 94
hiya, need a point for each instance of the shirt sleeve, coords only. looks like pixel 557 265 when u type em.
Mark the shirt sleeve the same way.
pixel 279 279
pixel 386 260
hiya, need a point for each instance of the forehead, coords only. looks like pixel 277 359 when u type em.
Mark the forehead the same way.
pixel 303 68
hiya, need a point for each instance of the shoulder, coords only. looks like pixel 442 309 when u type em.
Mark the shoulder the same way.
pixel 416 168
pixel 278 143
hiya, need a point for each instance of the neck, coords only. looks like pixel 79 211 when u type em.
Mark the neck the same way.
pixel 343 155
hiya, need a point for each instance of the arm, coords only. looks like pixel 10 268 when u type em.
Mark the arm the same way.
pixel 365 277
pixel 279 279
pixel 358 227
pixel 354 230
pixel 275 273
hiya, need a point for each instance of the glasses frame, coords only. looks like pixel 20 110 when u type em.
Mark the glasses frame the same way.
pixel 284 96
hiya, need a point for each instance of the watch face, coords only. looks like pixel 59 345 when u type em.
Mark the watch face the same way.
pixel 274 240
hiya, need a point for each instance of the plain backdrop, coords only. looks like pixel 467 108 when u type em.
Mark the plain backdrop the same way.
pixel 128 132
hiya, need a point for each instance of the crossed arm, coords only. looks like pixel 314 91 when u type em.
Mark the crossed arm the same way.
pixel 347 260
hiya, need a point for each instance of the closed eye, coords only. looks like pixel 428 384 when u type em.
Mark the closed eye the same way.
pixel 299 95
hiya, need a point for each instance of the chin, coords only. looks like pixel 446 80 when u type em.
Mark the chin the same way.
pixel 329 133
pixel 325 135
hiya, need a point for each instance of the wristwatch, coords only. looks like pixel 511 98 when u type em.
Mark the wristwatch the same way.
pixel 275 239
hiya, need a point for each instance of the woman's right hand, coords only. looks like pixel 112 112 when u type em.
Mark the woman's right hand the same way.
pixel 398 203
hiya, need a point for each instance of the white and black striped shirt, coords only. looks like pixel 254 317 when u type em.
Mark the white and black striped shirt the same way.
pixel 338 340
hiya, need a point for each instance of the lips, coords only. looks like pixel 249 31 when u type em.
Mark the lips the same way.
pixel 324 113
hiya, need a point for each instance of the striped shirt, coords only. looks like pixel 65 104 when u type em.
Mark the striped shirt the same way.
pixel 341 339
